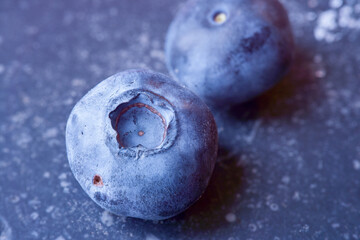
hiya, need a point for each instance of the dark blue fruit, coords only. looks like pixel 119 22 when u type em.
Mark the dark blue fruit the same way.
pixel 229 51
pixel 142 146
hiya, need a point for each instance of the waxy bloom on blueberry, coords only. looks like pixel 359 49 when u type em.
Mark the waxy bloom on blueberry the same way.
pixel 229 51
pixel 142 146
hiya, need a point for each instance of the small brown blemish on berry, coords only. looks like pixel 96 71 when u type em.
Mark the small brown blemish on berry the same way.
pixel 141 133
pixel 97 181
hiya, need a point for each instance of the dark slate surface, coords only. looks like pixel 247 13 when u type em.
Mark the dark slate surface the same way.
pixel 290 167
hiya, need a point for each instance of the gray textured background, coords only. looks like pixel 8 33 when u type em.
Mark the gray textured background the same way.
pixel 292 165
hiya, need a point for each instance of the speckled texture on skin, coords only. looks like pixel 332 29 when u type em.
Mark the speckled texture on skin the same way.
pixel 149 183
pixel 232 62
pixel 292 167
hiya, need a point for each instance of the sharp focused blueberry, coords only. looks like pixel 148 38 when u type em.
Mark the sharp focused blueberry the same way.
pixel 140 145
pixel 229 51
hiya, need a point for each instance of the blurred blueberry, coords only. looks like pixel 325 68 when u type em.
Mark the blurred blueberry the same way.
pixel 229 51
pixel 140 145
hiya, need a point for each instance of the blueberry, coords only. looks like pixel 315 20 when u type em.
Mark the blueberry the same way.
pixel 142 146
pixel 229 51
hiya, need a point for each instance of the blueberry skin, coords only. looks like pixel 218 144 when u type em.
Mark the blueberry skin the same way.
pixel 227 61
pixel 119 158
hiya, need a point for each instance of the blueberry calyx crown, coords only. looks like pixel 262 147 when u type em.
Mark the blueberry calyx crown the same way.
pixel 144 122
